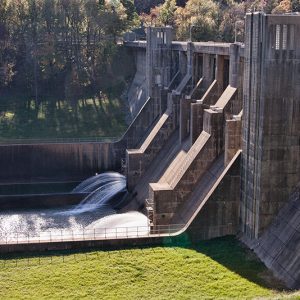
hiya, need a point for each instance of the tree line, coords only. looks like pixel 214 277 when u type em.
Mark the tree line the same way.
pixel 60 45
pixel 215 20
pixel 69 46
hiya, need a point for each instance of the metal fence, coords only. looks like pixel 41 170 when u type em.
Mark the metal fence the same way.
pixel 89 234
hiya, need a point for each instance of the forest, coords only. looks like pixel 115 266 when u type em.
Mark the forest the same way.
pixel 62 61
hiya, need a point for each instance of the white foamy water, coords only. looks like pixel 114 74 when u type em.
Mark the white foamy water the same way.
pixel 93 218
pixel 49 225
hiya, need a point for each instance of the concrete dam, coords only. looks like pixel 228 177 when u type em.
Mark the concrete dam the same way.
pixel 214 145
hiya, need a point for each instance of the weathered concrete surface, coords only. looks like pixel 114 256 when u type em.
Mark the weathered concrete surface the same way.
pixel 86 244
pixel 209 98
pixel 233 137
pixel 139 160
pixel 199 47
pixel 137 94
pixel 177 183
pixel 217 198
pixel 271 123
pixel 279 245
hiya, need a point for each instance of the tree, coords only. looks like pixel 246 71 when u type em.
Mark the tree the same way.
pixel 167 12
pixel 6 48
pixel 284 6
pixel 232 23
pixel 199 16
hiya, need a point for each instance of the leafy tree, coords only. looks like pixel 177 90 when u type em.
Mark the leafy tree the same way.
pixel 200 18
pixel 167 12
pixel 284 6
pixel 233 22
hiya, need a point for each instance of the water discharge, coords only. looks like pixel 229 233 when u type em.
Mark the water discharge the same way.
pixel 96 212
pixel 103 189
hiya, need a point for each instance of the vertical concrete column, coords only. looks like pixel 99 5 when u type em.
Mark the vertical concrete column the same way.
pixel 234 65
pixel 207 70
pixel 271 126
pixel 251 156
pixel 196 125
pixel 220 73
pixel 190 56
pixel 158 64
pixel 184 118
pixel 233 137
pixel 182 62
pixel 213 123
pixel 149 62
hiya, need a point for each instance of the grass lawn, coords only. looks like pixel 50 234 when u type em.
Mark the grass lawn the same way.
pixel 21 118
pixel 216 269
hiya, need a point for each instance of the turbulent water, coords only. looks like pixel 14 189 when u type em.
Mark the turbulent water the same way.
pixel 93 215
pixel 103 188
pixel 49 224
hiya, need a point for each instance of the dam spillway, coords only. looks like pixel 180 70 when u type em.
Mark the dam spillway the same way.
pixel 95 214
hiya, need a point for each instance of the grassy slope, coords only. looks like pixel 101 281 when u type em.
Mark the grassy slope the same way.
pixel 215 269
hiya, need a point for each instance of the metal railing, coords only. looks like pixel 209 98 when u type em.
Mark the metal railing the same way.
pixel 89 234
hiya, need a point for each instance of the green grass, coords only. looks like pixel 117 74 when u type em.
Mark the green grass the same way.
pixel 216 269
pixel 21 118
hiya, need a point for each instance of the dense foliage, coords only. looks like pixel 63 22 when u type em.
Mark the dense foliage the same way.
pixel 61 44
pixel 57 53
pixel 216 20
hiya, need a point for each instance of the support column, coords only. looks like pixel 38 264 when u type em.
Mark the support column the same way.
pixel 220 73
pixel 208 71
pixel 234 65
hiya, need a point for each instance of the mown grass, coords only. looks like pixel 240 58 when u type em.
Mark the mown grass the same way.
pixel 21 118
pixel 216 269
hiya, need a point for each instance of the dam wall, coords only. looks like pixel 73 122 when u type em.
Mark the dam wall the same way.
pixel 271 123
